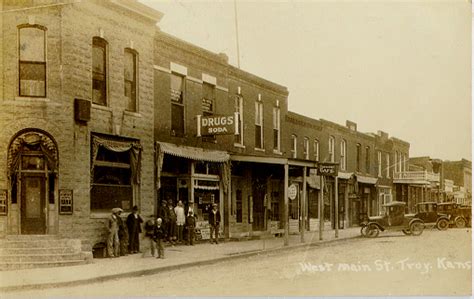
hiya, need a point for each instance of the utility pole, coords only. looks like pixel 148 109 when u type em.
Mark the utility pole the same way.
pixel 237 34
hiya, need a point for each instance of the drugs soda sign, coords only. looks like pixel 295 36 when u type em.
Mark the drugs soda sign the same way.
pixel 217 125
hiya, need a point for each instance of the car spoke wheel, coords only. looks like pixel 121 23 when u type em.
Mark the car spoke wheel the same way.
pixel 363 231
pixel 442 224
pixel 406 232
pixel 417 228
pixel 460 222
pixel 372 231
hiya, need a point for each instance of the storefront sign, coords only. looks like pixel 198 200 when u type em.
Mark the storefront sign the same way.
pixel 203 233
pixel 217 125
pixel 3 202
pixel 65 201
pixel 292 191
pixel 328 169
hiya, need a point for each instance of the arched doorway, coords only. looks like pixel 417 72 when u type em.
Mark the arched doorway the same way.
pixel 32 172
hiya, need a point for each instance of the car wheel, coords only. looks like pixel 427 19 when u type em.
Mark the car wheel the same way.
pixel 363 231
pixel 416 228
pixel 372 231
pixel 442 224
pixel 460 222
pixel 406 232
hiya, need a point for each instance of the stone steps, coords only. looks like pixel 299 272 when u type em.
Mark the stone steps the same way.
pixel 33 251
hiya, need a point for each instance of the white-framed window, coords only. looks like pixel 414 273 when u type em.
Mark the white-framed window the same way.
pixel 306 148
pixel 239 108
pixel 276 129
pixel 258 125
pixel 331 148
pixel 294 142
pixel 99 71
pixel 387 165
pixel 177 104
pixel 379 163
pixel 343 160
pixel 32 61
pixel 316 149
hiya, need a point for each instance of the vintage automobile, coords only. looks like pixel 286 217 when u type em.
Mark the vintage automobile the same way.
pixel 459 216
pixel 429 213
pixel 394 220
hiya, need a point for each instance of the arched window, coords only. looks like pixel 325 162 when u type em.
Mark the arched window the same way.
pixel 32 60
pixel 99 71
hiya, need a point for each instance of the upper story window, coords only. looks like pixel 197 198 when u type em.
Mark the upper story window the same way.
pixel 208 105
pixel 358 154
pixel 343 160
pixel 367 159
pixel 400 162
pixel 259 125
pixel 387 165
pixel 239 108
pixel 99 71
pixel 32 61
pixel 294 141
pixel 331 148
pixel 404 158
pixel 306 148
pixel 379 163
pixel 276 128
pixel 316 150
pixel 177 104
pixel 130 79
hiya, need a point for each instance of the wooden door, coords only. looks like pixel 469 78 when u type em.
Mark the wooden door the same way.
pixel 33 216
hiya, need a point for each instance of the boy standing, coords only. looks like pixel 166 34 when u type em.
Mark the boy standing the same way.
pixel 190 225
pixel 159 237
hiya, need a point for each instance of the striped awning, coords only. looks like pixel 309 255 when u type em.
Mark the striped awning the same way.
pixel 193 153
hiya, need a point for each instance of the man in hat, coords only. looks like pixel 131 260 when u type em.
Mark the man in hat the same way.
pixel 214 221
pixel 134 222
pixel 113 243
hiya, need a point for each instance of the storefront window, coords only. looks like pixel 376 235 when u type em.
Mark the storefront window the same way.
pixel 204 200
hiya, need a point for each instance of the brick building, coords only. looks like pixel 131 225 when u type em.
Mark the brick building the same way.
pixel 460 172
pixel 63 168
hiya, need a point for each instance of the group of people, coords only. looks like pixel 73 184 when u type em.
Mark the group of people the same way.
pixel 123 237
pixel 173 225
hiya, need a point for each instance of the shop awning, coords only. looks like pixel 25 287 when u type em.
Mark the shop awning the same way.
pixel 366 180
pixel 314 181
pixel 193 153
pixel 344 175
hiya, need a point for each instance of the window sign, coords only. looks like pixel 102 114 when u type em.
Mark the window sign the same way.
pixel 65 201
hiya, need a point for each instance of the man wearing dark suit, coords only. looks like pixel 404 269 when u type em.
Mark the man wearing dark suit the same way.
pixel 214 220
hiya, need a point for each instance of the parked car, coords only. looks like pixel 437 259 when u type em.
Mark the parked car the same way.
pixel 459 216
pixel 428 212
pixel 394 219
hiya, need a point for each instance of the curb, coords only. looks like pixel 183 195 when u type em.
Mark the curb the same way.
pixel 157 270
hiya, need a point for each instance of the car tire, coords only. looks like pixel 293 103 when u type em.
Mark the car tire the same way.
pixel 442 224
pixel 363 231
pixel 406 232
pixel 416 228
pixel 372 231
pixel 460 222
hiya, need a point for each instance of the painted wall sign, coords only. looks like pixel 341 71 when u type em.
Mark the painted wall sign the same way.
pixel 328 169
pixel 217 125
pixel 65 201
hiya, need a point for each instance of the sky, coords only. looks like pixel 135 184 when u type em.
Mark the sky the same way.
pixel 403 67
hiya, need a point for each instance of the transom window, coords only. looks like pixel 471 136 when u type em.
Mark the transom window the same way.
pixel 32 61
pixel 99 71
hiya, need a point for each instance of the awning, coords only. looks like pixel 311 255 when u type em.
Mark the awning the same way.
pixel 193 153
pixel 314 181
pixel 366 180
pixel 344 175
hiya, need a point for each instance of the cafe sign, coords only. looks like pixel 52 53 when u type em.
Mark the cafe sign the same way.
pixel 328 169
pixel 217 125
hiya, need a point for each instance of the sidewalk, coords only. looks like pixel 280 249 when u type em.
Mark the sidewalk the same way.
pixel 176 257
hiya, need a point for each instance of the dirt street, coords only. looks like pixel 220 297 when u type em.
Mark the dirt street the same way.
pixel 435 263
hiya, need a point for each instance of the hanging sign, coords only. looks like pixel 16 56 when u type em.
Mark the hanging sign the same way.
pixel 328 169
pixel 217 125
pixel 292 191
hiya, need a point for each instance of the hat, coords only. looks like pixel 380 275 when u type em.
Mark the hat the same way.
pixel 135 208
pixel 116 210
pixel 214 205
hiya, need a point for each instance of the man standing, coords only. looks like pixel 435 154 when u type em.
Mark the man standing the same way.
pixel 171 223
pixel 180 220
pixel 134 229
pixel 113 243
pixel 214 220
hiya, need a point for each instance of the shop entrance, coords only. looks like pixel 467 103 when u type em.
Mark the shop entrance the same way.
pixel 33 216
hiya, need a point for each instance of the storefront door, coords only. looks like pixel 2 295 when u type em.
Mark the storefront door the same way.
pixel 33 215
